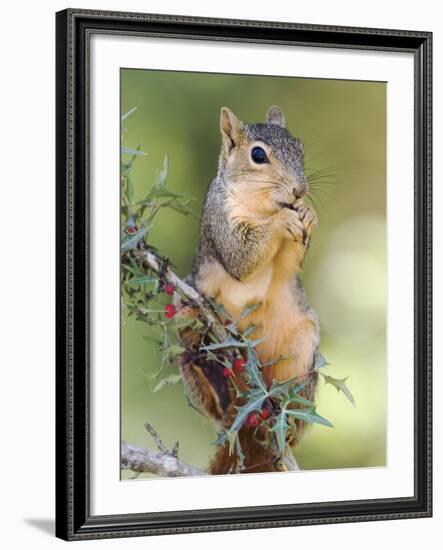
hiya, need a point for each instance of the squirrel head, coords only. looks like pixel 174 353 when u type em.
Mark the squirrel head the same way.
pixel 262 162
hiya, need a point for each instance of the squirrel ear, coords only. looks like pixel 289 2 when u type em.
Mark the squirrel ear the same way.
pixel 230 128
pixel 275 116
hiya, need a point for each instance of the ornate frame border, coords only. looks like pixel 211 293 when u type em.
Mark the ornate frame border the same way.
pixel 73 30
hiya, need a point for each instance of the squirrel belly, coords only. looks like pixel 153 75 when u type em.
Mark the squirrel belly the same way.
pixel 289 329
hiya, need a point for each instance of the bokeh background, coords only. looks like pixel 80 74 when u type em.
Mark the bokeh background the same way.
pixel 343 127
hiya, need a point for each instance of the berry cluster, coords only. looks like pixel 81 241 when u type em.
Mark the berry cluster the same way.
pixel 255 418
pixel 170 309
pixel 237 367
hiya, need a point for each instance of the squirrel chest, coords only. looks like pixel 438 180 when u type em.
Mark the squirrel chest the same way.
pixel 286 329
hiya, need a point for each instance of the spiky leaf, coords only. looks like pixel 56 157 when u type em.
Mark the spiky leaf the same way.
pixel 309 415
pixel 280 428
pixel 138 281
pixel 250 308
pixel 319 361
pixel 129 151
pixel 229 343
pixel 255 403
pixel 340 385
pixel 131 242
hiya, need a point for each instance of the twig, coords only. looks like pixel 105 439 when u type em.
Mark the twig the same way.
pixel 161 446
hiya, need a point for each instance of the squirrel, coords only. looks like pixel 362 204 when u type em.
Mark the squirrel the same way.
pixel 255 232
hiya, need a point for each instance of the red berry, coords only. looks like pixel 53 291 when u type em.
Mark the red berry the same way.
pixel 227 373
pixel 131 229
pixel 253 420
pixel 265 413
pixel 170 311
pixel 169 289
pixel 226 322
pixel 239 364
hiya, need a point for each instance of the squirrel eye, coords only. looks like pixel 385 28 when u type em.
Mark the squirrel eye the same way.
pixel 258 155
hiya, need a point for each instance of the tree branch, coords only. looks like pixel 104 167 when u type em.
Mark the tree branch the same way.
pixel 166 465
pixel 187 291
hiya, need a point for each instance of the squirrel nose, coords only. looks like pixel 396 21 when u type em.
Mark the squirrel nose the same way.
pixel 300 189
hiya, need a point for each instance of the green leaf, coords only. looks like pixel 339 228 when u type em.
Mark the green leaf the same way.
pixel 165 193
pixel 131 242
pixel 229 343
pixel 309 415
pixel 163 174
pixel 319 361
pixel 254 372
pixel 248 331
pixel 220 309
pixel 293 397
pixel 250 308
pixel 280 428
pixel 340 385
pixel 129 151
pixel 168 381
pixel 221 438
pixel 137 281
pixel 129 193
pixel 180 208
pixel 283 389
pixel 127 167
pixel 256 399
pixel 232 328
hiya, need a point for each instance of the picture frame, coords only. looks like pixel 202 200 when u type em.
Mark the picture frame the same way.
pixel 75 519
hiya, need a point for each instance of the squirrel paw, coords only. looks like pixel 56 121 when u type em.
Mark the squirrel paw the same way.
pixel 292 225
pixel 309 220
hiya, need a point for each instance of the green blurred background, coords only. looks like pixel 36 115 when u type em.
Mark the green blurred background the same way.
pixel 343 127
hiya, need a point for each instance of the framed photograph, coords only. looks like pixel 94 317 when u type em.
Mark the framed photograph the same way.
pixel 243 274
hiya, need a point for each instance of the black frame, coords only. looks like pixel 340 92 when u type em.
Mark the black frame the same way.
pixel 73 518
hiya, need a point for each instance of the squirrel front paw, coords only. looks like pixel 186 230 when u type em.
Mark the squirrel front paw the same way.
pixel 309 219
pixel 291 224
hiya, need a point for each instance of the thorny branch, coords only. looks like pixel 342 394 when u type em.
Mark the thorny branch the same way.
pixel 186 290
